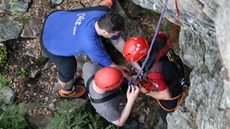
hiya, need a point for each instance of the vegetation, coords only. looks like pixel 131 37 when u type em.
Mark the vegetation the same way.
pixel 22 72
pixel 11 115
pixel 13 12
pixel 65 118
pixel 3 56
pixel 4 82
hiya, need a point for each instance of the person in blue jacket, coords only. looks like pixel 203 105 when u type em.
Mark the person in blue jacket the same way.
pixel 67 33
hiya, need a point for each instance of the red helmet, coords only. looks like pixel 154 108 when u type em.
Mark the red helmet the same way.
pixel 108 78
pixel 135 48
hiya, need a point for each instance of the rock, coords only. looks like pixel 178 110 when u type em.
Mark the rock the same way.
pixel 9 28
pixel 131 27
pixel 142 118
pixel 6 94
pixel 73 105
pixel 222 27
pixel 79 5
pixel 31 29
pixel 134 9
pixel 160 125
pixel 47 64
pixel 17 5
pixel 204 47
pixel 56 1
pixel 35 73
pixel 30 54
pixel 81 59
pixel 39 121
pixel 2 8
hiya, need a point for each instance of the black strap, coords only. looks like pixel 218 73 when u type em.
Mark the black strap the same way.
pixel 102 99
pixel 88 82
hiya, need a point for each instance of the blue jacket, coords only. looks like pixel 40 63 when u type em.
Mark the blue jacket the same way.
pixel 67 33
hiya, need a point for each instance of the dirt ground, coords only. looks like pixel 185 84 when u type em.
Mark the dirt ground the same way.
pixel 21 67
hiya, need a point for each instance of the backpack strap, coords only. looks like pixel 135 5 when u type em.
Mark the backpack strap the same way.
pixel 177 61
pixel 102 100
pixel 88 82
pixel 109 97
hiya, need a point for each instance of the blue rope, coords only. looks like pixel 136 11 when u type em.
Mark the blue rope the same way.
pixel 154 37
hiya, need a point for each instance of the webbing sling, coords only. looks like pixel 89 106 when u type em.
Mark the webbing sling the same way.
pixel 102 100
pixel 153 40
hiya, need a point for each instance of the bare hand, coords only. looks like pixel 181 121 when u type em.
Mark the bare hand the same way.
pixel 132 93
pixel 142 90
pixel 126 71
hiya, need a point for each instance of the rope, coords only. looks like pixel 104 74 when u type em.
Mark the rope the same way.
pixel 170 40
pixel 181 96
pixel 153 40
pixel 163 51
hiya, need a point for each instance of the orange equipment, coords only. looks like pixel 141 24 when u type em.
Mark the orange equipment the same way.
pixel 135 48
pixel 108 78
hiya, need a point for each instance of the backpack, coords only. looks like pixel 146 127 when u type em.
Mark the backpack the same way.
pixel 169 56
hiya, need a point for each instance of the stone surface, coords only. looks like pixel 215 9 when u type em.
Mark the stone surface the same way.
pixel 222 27
pixel 6 95
pixel 17 5
pixel 9 28
pixel 205 48
pixel 32 29
pixel 56 1
pixel 39 122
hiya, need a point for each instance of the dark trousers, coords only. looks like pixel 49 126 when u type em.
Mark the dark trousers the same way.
pixel 66 65
pixel 168 104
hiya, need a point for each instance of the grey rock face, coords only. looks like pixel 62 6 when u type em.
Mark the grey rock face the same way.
pixel 131 27
pixel 223 34
pixel 189 42
pixel 204 47
pixel 192 16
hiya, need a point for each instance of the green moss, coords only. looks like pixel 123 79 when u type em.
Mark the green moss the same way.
pixel 3 56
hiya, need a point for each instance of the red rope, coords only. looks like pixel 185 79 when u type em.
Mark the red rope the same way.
pixel 172 38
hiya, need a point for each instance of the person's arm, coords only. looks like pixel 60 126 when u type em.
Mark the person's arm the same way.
pixel 132 94
pixel 162 95
pixel 119 44
pixel 126 72
pixel 159 82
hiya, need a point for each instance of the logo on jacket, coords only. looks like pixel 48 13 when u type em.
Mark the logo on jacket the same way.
pixel 80 17
pixel 156 85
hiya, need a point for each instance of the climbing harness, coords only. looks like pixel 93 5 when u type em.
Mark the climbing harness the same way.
pixel 172 38
pixel 169 41
pixel 164 51
pixel 154 37
pixel 147 85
